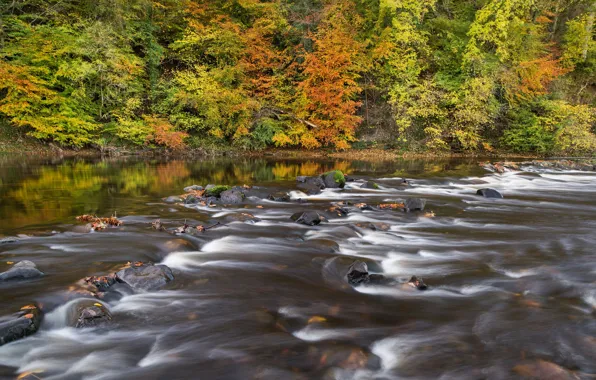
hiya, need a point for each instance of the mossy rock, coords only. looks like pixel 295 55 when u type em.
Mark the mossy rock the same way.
pixel 216 191
pixel 334 179
pixel 370 185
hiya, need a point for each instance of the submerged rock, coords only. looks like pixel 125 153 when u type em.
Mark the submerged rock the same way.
pixel 88 313
pixel 8 240
pixel 140 276
pixel 309 218
pixel 334 179
pixel 279 197
pixel 369 185
pixel 173 199
pixel 542 369
pixel 232 197
pixel 23 270
pixel 414 204
pixel 489 193
pixel 404 183
pixel 21 324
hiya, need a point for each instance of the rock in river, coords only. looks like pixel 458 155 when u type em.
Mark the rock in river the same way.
pixel 232 197
pixel 309 218
pixel 87 313
pixel 414 204
pixel 334 179
pixel 21 271
pixel 173 199
pixel 140 276
pixel 489 193
pixel 358 274
pixel 21 324
pixel 369 185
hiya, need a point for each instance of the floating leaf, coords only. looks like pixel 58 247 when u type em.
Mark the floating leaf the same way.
pixel 316 319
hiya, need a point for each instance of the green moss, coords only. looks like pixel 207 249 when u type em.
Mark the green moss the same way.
pixel 217 190
pixel 338 177
pixel 375 186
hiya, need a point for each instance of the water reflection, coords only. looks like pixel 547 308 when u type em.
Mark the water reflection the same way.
pixel 35 193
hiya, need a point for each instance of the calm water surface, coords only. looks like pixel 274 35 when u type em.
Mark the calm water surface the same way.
pixel 512 281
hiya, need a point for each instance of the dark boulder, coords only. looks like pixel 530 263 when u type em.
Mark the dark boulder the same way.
pixel 369 185
pixel 334 179
pixel 88 313
pixel 414 204
pixel 311 185
pixel 140 276
pixel 173 199
pixel 417 283
pixel 489 193
pixel 188 189
pixel 23 270
pixel 101 283
pixel 232 197
pixel 21 324
pixel 279 197
pixel 358 274
pixel 309 218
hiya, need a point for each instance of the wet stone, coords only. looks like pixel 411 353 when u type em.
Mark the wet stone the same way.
pixel 309 218
pixel 489 193
pixel 142 276
pixel 21 324
pixel 279 197
pixel 188 189
pixel 232 197
pixel 173 199
pixel 369 185
pixel 23 270
pixel 87 313
pixel 414 204
pixel 417 283
pixel 334 179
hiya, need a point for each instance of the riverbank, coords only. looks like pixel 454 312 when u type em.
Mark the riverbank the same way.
pixel 13 141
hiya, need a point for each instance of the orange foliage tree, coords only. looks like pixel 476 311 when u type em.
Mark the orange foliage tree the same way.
pixel 330 84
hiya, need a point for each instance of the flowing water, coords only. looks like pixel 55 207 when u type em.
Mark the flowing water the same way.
pixel 511 281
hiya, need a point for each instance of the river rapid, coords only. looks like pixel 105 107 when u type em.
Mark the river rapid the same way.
pixel 511 282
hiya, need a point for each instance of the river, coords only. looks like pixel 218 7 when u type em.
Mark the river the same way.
pixel 511 282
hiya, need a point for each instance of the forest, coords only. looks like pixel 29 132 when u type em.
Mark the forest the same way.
pixel 413 75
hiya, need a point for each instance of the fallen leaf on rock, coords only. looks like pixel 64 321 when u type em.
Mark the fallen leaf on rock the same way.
pixel 200 228
pixel 29 307
pixel 430 214
pixel 391 206
pixel 10 262
pixel 28 316
pixel 259 206
pixel 111 221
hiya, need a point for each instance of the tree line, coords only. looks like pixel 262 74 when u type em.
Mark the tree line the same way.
pixel 418 75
